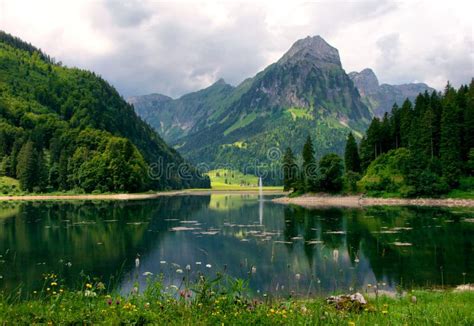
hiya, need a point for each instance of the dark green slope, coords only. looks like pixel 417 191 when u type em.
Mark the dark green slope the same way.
pixel 83 131
pixel 305 92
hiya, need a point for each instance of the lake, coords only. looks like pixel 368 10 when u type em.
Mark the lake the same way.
pixel 291 249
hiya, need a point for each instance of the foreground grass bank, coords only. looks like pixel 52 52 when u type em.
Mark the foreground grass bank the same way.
pixel 207 306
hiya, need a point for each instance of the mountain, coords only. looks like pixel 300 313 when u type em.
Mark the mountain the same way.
pixel 380 98
pixel 305 92
pixel 175 119
pixel 66 128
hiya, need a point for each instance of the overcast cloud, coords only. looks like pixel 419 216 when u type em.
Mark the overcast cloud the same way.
pixel 176 47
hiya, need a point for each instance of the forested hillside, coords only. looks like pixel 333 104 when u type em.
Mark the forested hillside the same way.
pixel 421 149
pixel 429 145
pixel 68 129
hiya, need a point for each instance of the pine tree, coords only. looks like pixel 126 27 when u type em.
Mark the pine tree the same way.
pixel 290 170
pixel 351 155
pixel 331 171
pixel 468 121
pixel 42 171
pixel 370 146
pixel 450 147
pixel 437 109
pixel 3 144
pixel 309 171
pixel 395 126
pixel 26 169
pixel 406 116
pixel 63 171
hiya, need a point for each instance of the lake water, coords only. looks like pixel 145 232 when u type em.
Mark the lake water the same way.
pixel 292 249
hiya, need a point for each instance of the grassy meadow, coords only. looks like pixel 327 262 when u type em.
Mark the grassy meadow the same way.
pixel 224 302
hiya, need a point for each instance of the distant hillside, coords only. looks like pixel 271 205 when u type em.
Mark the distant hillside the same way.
pixel 65 128
pixel 380 98
pixel 306 92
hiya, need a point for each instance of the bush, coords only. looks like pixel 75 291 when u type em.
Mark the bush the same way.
pixel 350 180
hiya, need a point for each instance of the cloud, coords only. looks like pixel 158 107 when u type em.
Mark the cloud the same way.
pixel 177 47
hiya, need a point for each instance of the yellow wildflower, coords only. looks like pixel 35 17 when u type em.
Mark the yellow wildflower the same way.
pixel 89 286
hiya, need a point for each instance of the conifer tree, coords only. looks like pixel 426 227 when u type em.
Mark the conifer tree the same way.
pixel 63 171
pixel 3 144
pixel 27 165
pixel 309 170
pixel 468 121
pixel 406 116
pixel 351 155
pixel 450 147
pixel 331 171
pixel 290 170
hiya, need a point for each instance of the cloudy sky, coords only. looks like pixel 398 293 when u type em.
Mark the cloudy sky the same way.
pixel 173 47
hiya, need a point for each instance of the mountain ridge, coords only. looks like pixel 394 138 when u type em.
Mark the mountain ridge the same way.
pixel 381 97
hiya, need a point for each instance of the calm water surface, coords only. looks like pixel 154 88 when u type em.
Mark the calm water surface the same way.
pixel 292 249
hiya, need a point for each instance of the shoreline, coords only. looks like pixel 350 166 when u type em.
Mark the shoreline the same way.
pixel 196 192
pixel 360 201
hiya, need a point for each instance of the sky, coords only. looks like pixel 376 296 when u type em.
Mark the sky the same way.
pixel 175 47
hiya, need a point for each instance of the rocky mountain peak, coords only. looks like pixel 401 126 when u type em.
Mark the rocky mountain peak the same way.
pixel 366 81
pixel 314 49
pixel 220 81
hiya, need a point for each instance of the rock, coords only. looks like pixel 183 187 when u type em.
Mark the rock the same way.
pixel 354 301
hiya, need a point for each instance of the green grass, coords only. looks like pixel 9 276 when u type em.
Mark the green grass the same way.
pixel 300 113
pixel 223 301
pixel 241 123
pixel 233 180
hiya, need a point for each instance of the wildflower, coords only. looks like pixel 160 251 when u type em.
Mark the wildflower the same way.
pixel 100 286
pixel 413 299
pixel 147 305
pixel 54 283
pixel 35 292
pixel 162 261
pixel 188 267
pixel 298 276
pixel 89 293
pixel 254 269
pixel 89 286
pixel 198 263
pixel 369 285
pixel 47 289
pixel 147 274
pixel 137 262
pixel 384 312
pixel 179 271
pixel 208 265
pixel 351 323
